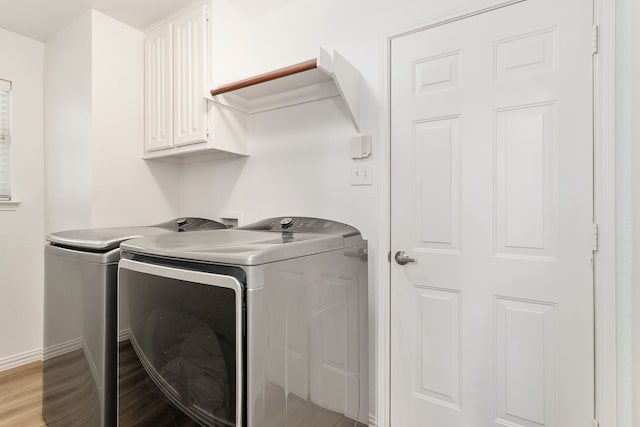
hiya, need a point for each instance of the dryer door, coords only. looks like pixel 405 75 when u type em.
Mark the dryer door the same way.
pixel 181 362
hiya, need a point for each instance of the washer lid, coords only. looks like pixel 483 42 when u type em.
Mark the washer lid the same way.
pixel 105 239
pixel 101 239
pixel 237 247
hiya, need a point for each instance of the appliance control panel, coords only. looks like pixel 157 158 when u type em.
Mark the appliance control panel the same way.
pixel 302 225
pixel 191 224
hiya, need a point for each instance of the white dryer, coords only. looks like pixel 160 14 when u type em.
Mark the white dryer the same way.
pixel 260 326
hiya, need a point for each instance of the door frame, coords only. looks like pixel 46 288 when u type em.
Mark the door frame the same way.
pixel 604 120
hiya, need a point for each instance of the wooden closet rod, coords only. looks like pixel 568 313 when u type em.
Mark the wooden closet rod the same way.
pixel 272 75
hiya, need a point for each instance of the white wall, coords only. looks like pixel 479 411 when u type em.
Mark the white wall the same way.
pixel 67 105
pixel 230 42
pixel 126 190
pixel 21 231
pixel 628 164
pixel 94 127
pixel 299 165
pixel 635 179
pixel 628 211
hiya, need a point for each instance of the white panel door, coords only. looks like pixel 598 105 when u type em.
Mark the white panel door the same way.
pixel 189 54
pixel 491 127
pixel 158 115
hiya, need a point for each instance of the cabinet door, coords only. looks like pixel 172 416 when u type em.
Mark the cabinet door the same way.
pixel 158 114
pixel 189 58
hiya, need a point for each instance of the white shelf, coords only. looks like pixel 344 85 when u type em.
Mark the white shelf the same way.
pixel 326 76
pixel 194 153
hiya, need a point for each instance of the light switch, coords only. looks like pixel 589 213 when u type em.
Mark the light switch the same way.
pixel 362 174
pixel 360 146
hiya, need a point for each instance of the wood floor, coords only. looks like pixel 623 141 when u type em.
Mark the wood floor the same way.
pixel 21 404
pixel 21 396
pixel 142 404
pixel 70 395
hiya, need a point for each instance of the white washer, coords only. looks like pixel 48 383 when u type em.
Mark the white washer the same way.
pixel 261 326
pixel 79 369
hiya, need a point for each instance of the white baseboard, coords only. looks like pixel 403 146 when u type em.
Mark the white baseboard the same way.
pixel 63 348
pixel 373 421
pixel 124 335
pixel 20 359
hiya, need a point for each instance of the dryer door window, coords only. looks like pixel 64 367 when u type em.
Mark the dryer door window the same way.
pixel 180 362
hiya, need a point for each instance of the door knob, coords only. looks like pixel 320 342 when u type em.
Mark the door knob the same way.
pixel 403 258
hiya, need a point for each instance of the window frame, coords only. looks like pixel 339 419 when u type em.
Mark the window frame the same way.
pixel 6 87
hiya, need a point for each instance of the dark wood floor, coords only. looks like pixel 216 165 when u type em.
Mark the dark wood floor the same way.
pixel 140 402
pixel 21 396
pixel 70 395
pixel 143 405
pixel 21 402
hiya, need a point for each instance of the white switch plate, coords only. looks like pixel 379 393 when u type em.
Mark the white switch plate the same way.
pixel 362 174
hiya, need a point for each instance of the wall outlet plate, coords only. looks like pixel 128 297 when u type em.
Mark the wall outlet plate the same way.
pixel 231 219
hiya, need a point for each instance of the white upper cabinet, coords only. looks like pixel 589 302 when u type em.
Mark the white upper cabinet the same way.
pixel 189 64
pixel 180 124
pixel 158 93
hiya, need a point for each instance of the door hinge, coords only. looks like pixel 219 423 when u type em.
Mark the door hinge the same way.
pixel 596 423
pixel 595 39
pixel 206 14
pixel 594 237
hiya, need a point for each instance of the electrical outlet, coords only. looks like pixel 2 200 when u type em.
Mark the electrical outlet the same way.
pixel 231 219
pixel 362 174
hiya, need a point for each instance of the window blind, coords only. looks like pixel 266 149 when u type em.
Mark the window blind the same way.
pixel 5 140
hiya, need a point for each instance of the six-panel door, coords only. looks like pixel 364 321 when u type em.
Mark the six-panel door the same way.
pixel 491 126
